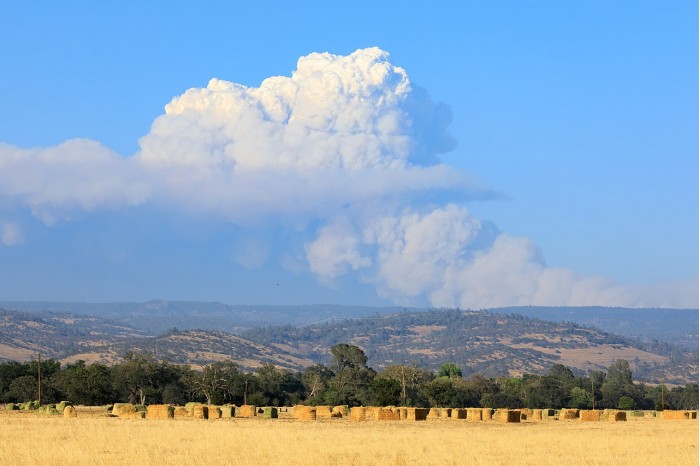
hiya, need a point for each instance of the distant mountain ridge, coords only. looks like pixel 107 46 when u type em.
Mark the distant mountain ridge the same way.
pixel 677 326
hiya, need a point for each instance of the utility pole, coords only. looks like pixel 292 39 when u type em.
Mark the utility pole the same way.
pixel 38 376
pixel 592 393
pixel 245 393
pixel 662 393
pixel 403 385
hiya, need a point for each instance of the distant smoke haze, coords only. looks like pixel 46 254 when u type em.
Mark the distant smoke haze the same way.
pixel 333 172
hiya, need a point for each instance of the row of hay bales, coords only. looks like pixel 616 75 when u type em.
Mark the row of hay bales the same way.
pixel 64 407
pixel 192 410
pixel 365 413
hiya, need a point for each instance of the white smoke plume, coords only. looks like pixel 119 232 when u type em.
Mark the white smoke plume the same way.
pixel 345 153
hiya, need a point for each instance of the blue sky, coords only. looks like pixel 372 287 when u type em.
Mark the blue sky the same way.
pixel 575 122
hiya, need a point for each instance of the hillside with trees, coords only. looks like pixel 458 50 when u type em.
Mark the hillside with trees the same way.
pixel 478 342
pixel 485 343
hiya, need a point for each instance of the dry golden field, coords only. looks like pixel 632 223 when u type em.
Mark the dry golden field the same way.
pixel 35 439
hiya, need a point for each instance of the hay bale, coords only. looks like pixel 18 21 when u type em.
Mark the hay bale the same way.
pixel 692 414
pixel 200 411
pixel 189 406
pixel 445 413
pixel 549 414
pixel 525 414
pixel 341 410
pixel 507 415
pixel 589 415
pixel 180 412
pixel 403 413
pixel 214 412
pixel 536 414
pixel 227 411
pixel 474 414
pixel 649 414
pixel 323 412
pixel 568 414
pixel 417 414
pixel 120 409
pixel 459 413
pixel 486 414
pixel 617 416
pixel 69 411
pixel 246 411
pixel 269 412
pixel 62 405
pixel 305 413
pixel 676 414
pixel 434 413
pixel 358 413
pixel 387 414
pixel 160 412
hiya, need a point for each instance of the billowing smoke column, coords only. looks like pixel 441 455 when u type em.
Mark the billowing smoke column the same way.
pixel 344 152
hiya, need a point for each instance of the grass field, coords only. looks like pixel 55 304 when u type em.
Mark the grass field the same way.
pixel 33 439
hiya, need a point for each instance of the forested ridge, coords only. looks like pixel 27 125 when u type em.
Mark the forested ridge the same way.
pixel 480 342
pixel 484 342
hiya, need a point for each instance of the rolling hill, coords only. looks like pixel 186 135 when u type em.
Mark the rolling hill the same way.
pixel 478 341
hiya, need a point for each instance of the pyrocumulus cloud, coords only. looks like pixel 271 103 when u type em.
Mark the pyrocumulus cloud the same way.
pixel 344 152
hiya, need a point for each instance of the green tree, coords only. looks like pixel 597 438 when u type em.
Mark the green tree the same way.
pixel 580 398
pixel 214 382
pixel 23 388
pixel 350 382
pixel 618 383
pixel 315 380
pixel 450 370
pixel 412 380
pixel 133 378
pixel 385 392
pixel 626 403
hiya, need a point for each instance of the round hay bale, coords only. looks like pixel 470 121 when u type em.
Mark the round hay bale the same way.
pixel 69 411
pixel 62 405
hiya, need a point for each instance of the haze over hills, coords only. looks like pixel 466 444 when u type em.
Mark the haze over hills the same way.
pixel 677 326
pixel 478 341
pixel 158 316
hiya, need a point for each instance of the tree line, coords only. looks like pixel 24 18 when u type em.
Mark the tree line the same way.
pixel 346 380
